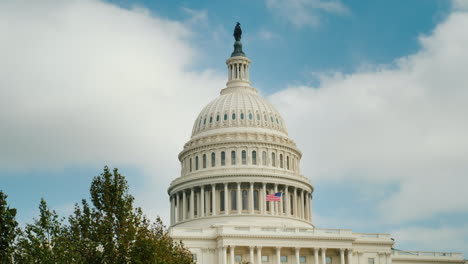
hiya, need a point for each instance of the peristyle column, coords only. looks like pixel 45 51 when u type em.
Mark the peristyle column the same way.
pixel 251 253
pixel 192 203
pixel 184 207
pixel 350 256
pixel 259 255
pixel 239 198
pixel 297 254
pixel 251 198
pixel 316 256
pixel 202 201
pixel 231 254
pixel 324 256
pixel 213 199
pixel 226 197
pixel 278 255
pixel 342 259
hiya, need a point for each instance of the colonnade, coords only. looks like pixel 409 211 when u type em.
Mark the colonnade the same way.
pixel 238 70
pixel 232 198
pixel 319 255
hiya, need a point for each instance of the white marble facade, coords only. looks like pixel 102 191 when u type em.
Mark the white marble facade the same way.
pixel 239 152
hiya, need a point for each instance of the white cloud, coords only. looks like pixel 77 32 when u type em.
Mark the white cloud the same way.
pixel 305 12
pixel 403 124
pixel 432 239
pixel 87 82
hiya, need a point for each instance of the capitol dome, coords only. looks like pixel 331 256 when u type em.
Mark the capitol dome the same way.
pixel 239 108
pixel 238 155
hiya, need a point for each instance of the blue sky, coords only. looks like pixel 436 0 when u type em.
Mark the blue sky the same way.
pixel 373 92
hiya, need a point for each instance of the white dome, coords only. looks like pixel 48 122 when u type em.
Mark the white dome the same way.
pixel 238 108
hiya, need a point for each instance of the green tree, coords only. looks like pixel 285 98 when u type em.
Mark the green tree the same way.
pixel 44 241
pixel 8 230
pixel 113 231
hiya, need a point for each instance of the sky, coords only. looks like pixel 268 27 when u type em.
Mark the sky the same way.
pixel 373 92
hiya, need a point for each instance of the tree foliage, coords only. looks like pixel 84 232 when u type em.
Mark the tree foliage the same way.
pixel 8 229
pixel 107 230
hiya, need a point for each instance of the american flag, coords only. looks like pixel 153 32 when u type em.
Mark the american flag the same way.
pixel 274 197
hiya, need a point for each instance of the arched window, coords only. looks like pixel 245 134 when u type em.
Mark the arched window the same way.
pixel 291 203
pixel 211 200
pixel 254 157
pixel 233 200
pixel 264 158
pixel 287 162
pixel 213 159
pixel 211 119
pixel 204 161
pixel 267 203
pixel 233 157
pixel 273 160
pixel 196 163
pixel 225 117
pixel 233 116
pixel 244 157
pixel 242 116
pixel 204 121
pixel 281 160
pixel 245 203
pixel 195 205
pixel 250 116
pixel 221 201
pixel 223 158
pixel 255 198
pixel 258 116
pixel 190 165
pixel 217 118
pixel 271 118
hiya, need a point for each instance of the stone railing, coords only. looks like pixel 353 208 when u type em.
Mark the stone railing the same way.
pixel 422 254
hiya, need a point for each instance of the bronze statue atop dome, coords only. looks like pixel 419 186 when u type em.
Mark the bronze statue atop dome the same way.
pixel 237 44
pixel 237 32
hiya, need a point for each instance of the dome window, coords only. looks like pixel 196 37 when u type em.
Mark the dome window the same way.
pixel 277 121
pixel 264 158
pixel 233 116
pixel 250 116
pixel 242 116
pixel 223 158
pixel 245 204
pixel 196 163
pixel 190 164
pixel 244 157
pixel 213 159
pixel 233 157
pixel 258 116
pixel 221 201
pixel 204 161
pixel 217 118
pixel 287 162
pixel 211 119
pixel 281 160
pixel 271 118
pixel 273 160
pixel 233 200
pixel 254 157
pixel 265 117
pixel 204 121
pixel 255 198
pixel 225 117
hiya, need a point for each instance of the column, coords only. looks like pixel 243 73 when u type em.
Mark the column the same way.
pixel 275 204
pixel 324 256
pixel 224 255
pixel 184 207
pixel 226 202
pixel 259 255
pixel 388 258
pixel 172 210
pixel 297 254
pixel 192 203
pixel 264 199
pixel 316 256
pixel 350 256
pixel 281 204
pixel 251 198
pixel 251 251
pixel 302 205
pixel 288 203
pixel 278 255
pixel 306 197
pixel 342 260
pixel 202 201
pixel 239 198
pixel 295 203
pixel 213 199
pixel 231 254
pixel 310 207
